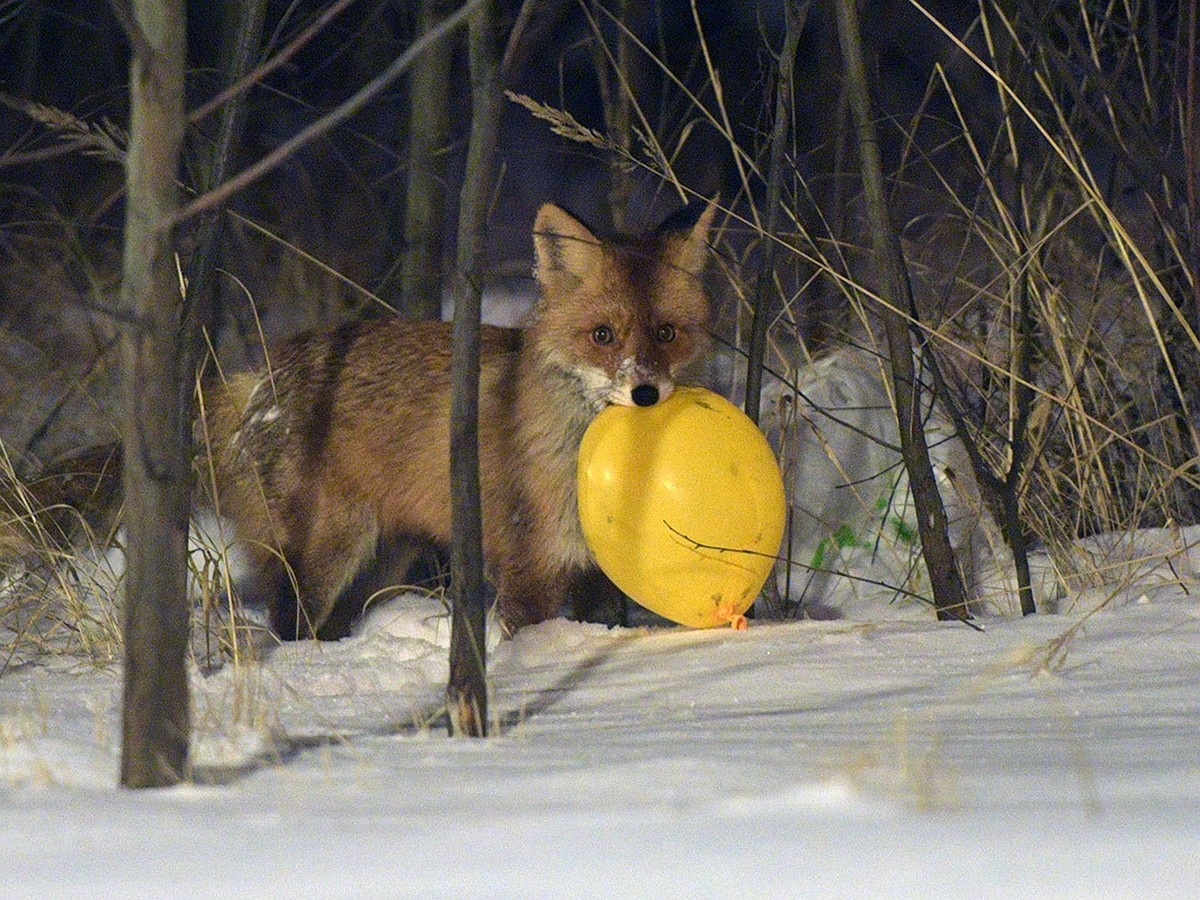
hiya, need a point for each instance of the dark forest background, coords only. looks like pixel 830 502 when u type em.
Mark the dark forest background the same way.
pixel 1041 163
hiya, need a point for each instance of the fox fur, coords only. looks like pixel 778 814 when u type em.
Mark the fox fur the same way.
pixel 338 452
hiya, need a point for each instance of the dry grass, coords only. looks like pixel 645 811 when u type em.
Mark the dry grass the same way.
pixel 55 596
pixel 61 568
pixel 1040 181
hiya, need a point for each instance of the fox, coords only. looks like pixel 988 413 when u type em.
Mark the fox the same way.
pixel 334 459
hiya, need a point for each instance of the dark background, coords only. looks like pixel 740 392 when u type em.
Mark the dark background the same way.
pixel 1101 230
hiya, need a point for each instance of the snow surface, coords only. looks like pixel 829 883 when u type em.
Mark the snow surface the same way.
pixel 1053 756
pixel 874 753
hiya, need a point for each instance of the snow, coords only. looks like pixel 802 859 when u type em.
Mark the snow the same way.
pixel 886 756
pixel 872 753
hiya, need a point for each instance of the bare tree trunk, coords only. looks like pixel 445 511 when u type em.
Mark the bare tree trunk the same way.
pixel 466 697
pixel 780 132
pixel 200 312
pixel 156 429
pixel 466 694
pixel 614 91
pixel 948 596
pixel 421 281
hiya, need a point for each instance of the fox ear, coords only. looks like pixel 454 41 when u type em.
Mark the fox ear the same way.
pixel 687 235
pixel 563 245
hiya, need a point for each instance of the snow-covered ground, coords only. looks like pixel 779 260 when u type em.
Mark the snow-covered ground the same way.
pixel 887 756
pixel 874 753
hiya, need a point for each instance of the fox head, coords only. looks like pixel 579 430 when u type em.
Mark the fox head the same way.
pixel 626 316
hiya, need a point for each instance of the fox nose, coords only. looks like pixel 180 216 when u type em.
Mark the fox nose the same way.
pixel 644 395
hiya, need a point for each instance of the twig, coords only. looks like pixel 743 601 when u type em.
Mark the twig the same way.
pixel 780 132
pixel 327 122
pixel 958 614
pixel 252 78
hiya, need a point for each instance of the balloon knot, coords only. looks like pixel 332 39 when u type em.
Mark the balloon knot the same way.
pixel 737 621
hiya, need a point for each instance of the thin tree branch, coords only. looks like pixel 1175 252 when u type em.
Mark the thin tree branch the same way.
pixel 200 303
pixel 328 122
pixel 252 78
pixel 780 132
pixel 958 615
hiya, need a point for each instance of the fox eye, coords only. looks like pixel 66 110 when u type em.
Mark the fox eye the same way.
pixel 603 335
pixel 665 333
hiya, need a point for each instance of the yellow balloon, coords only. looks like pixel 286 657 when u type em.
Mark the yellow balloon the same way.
pixel 682 505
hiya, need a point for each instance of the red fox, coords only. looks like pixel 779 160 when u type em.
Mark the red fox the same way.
pixel 340 451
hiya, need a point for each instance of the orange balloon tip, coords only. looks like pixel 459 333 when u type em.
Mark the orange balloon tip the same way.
pixel 737 621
